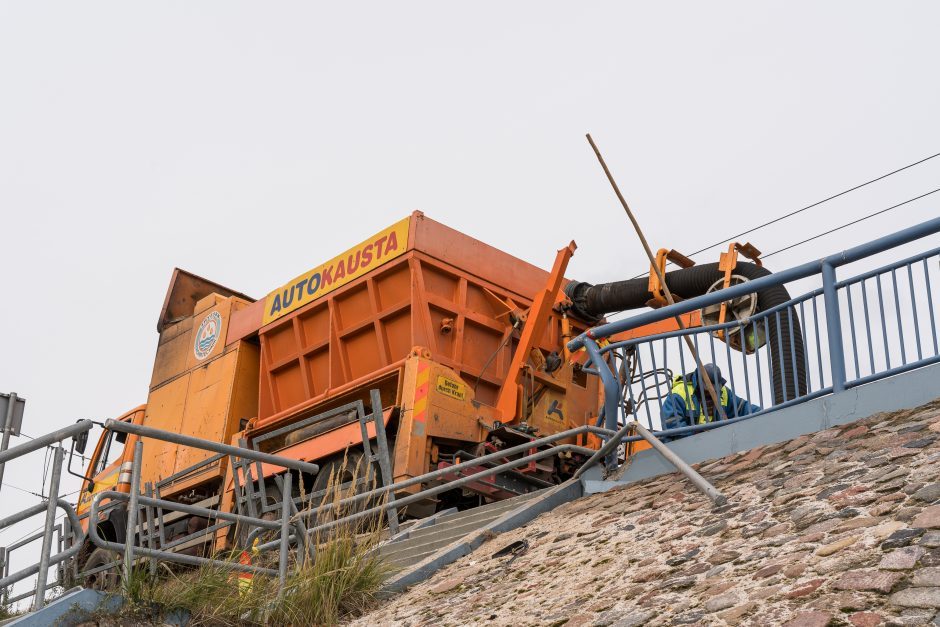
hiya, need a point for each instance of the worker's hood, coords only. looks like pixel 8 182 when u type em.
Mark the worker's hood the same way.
pixel 713 373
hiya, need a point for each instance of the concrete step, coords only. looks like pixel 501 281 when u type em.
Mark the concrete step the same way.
pixel 448 529
pixel 503 505
pixel 459 518
pixel 400 565
pixel 408 553
pixel 442 538
pixel 489 512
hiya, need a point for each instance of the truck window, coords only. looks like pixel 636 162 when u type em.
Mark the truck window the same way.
pixel 113 448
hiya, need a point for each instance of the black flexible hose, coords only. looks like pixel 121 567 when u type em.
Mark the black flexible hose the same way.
pixel 788 366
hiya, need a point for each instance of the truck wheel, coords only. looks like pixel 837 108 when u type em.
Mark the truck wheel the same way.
pixel 107 579
pixel 344 471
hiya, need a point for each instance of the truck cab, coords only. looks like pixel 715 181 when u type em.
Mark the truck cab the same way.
pixel 108 467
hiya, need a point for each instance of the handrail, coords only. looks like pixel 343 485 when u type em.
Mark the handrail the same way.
pixel 181 558
pixel 598 365
pixel 413 498
pixel 731 324
pixel 49 505
pixel 897 265
pixel 54 559
pixel 78 535
pixel 209 445
pixel 613 440
pixel 143 544
pixel 46 440
pixel 430 476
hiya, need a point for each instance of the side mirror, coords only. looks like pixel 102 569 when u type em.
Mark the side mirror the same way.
pixel 80 442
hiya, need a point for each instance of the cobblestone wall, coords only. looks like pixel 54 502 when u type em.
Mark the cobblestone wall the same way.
pixel 840 527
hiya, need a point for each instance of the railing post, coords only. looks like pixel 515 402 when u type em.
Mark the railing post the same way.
pixel 833 327
pixel 151 531
pixel 611 386
pixel 42 577
pixel 4 568
pixel 7 431
pixel 611 393
pixel 66 567
pixel 300 532
pixel 59 546
pixel 385 466
pixel 285 534
pixel 132 512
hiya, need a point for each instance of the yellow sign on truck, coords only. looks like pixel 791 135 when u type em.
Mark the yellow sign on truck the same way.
pixel 337 272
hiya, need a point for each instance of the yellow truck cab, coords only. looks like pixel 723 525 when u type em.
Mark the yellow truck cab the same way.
pixel 109 465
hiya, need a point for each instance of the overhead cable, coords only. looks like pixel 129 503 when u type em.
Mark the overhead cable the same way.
pixel 10 485
pixel 824 233
pixel 29 533
pixel 838 228
pixel 815 204
pixel 802 209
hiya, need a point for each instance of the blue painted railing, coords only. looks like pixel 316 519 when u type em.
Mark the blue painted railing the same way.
pixel 873 325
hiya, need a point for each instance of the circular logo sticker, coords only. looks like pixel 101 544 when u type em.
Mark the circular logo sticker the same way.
pixel 207 335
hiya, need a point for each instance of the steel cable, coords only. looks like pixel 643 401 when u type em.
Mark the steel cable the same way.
pixel 810 206
pixel 847 224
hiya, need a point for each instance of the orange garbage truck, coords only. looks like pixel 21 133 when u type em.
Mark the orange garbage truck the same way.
pixel 464 343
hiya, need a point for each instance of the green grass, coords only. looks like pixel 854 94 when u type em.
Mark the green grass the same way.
pixel 7 612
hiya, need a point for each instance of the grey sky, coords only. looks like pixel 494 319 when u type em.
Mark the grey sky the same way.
pixel 247 142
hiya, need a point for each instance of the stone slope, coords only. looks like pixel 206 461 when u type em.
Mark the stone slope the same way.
pixel 840 527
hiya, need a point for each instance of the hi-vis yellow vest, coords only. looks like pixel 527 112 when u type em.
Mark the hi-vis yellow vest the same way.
pixel 684 389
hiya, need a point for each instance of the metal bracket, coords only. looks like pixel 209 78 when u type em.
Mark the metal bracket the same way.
pixel 655 287
pixel 727 262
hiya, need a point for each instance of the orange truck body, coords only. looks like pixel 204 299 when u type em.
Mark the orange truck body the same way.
pixel 429 316
pixel 425 314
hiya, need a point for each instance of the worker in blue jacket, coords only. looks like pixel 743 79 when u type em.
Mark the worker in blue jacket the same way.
pixel 683 406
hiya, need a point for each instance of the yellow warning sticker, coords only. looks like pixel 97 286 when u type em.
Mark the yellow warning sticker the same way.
pixel 454 389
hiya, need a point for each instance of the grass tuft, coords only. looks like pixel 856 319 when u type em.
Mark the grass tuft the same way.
pixel 338 577
pixel 7 611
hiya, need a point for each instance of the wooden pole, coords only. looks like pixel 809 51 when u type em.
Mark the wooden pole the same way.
pixel 662 280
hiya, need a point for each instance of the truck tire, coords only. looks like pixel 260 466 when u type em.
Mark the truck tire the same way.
pixel 343 470
pixel 106 580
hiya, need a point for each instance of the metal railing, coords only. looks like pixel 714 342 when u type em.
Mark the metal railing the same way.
pixel 434 485
pixel 71 536
pixel 382 457
pixel 6 552
pixel 49 505
pixel 873 325
pixel 147 514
